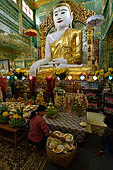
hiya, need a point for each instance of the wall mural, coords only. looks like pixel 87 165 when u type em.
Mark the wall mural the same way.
pixel 4 66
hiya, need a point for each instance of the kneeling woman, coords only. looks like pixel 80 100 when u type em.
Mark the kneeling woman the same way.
pixel 38 129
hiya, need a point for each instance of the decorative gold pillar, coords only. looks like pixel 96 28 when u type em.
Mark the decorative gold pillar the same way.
pixel 96 52
pixel 20 17
pixel 90 46
pixel 42 47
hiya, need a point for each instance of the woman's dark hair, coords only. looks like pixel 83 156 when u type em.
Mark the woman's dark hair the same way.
pixel 109 121
pixel 40 108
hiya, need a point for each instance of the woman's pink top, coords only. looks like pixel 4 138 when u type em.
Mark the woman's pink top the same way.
pixel 38 127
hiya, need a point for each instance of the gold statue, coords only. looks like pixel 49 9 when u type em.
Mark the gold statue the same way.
pixel 64 46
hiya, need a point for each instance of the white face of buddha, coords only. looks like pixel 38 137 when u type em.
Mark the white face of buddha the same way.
pixel 61 17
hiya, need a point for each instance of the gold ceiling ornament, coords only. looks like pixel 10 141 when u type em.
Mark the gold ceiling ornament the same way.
pixel 38 3
pixel 80 14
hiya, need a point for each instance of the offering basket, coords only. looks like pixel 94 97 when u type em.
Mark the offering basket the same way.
pixel 61 159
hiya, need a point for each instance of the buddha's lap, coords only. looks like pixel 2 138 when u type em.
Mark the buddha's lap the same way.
pixel 74 71
pixel 63 65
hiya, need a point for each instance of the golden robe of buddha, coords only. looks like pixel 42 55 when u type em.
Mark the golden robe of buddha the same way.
pixel 68 46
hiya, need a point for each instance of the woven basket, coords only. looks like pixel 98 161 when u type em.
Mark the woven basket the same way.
pixel 53 116
pixel 60 159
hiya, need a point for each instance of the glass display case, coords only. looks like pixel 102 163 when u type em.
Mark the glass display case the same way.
pixel 91 90
pixel 108 103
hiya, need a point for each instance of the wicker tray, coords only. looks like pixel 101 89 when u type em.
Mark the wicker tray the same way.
pixel 61 159
pixel 54 116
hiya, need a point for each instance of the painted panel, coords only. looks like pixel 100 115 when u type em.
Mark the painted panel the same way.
pixel 4 66
pixel 19 64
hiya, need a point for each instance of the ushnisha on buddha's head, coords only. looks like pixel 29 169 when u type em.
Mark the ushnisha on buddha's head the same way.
pixel 62 16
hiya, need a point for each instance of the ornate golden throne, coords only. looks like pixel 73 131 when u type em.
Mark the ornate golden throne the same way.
pixel 81 15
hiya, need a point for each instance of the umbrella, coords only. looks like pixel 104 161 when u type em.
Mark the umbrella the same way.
pixel 31 33
pixel 95 20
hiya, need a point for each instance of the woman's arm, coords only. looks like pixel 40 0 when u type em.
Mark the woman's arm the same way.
pixel 45 130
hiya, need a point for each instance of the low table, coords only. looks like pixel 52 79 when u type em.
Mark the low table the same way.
pixel 13 135
pixel 68 123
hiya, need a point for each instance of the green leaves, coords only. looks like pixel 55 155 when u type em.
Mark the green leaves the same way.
pixel 3 108
pixel 51 111
pixel 20 111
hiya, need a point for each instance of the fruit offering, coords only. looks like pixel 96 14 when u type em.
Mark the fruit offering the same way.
pixel 4 114
pixel 4 119
pixel 68 137
pixel 51 110
pixel 16 122
pixel 58 149
pixel 58 133
pixel 3 109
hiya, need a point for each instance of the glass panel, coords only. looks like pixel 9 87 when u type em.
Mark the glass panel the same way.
pixel 27 10
pixel 15 1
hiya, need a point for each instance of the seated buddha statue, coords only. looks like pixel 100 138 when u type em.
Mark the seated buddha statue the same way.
pixel 64 46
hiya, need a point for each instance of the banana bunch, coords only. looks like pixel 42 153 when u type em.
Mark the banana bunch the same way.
pixel 14 122
pixel 4 119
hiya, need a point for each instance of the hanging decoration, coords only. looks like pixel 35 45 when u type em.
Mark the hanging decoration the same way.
pixel 31 33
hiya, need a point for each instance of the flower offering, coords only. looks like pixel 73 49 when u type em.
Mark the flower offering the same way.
pixel 61 73
pixel 79 104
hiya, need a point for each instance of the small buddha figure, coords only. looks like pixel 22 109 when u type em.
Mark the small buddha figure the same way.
pixel 64 46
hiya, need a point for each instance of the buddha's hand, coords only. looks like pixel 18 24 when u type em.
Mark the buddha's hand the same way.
pixel 60 60
pixel 33 69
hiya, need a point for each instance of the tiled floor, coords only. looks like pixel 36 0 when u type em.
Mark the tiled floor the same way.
pixel 96 119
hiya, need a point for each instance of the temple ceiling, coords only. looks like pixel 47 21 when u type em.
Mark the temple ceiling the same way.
pixel 37 3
